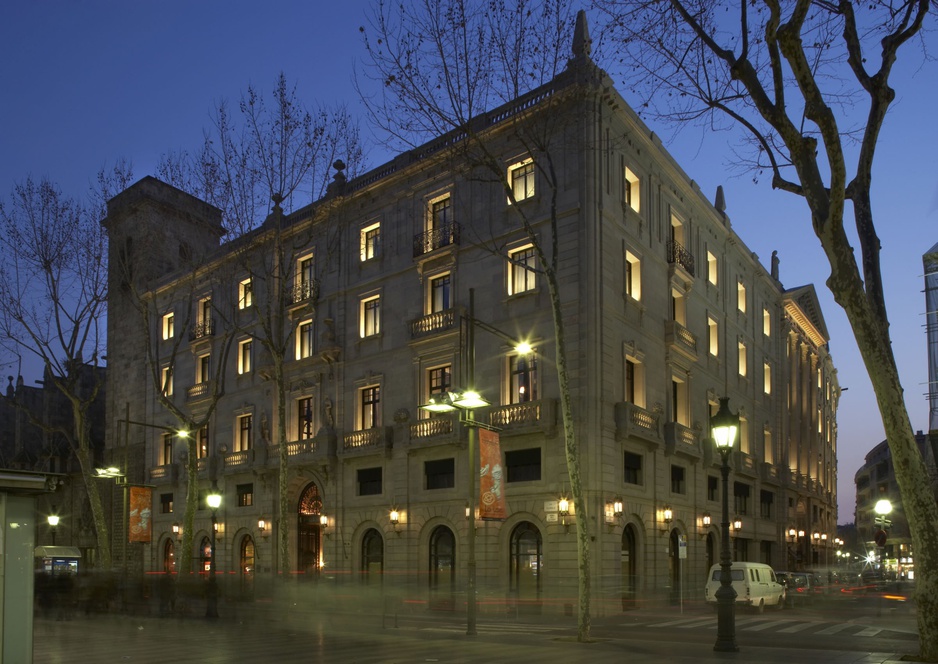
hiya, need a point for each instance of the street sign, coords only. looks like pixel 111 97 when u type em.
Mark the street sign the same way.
pixel 880 538
pixel 681 547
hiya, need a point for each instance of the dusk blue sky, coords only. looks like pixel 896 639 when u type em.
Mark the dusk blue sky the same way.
pixel 85 83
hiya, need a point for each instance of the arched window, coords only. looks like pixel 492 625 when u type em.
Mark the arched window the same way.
pixel 442 568
pixel 525 560
pixel 246 567
pixel 372 556
pixel 308 531
pixel 629 567
pixel 169 557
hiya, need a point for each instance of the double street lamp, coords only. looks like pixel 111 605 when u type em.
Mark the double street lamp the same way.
pixel 723 427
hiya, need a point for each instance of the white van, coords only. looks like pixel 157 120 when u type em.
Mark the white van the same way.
pixel 755 585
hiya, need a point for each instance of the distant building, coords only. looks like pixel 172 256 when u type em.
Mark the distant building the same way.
pixel 930 262
pixel 666 311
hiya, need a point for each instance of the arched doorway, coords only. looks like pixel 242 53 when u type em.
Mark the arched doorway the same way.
pixel 629 567
pixel 372 556
pixel 674 566
pixel 169 557
pixel 246 567
pixel 205 554
pixel 309 532
pixel 525 564
pixel 442 570
pixel 711 551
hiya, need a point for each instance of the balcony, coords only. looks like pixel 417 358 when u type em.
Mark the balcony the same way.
pixel 163 474
pixel 523 417
pixel 680 339
pixel 432 428
pixel 439 321
pixel 769 472
pixel 202 330
pixel 679 439
pixel 746 465
pixel 238 459
pixel 305 291
pixel 436 238
pixel 635 422
pixel 679 256
pixel 200 391
pixel 367 440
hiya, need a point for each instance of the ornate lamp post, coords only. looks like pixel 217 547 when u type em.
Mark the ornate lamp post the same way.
pixel 211 607
pixel 723 427
pixel 53 521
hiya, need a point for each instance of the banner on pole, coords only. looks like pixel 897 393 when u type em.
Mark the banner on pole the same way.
pixel 140 513
pixel 491 481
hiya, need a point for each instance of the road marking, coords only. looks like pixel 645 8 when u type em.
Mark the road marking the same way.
pixel 765 625
pixel 684 622
pixel 797 628
pixel 833 629
pixel 869 631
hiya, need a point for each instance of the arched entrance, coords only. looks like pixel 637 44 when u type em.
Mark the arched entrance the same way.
pixel 629 567
pixel 711 551
pixel 442 570
pixel 246 567
pixel 205 554
pixel 525 564
pixel 372 556
pixel 674 566
pixel 309 532
pixel 169 557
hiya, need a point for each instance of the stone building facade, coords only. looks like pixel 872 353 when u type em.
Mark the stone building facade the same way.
pixel 665 311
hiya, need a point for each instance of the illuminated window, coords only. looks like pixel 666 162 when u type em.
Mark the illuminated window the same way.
pixel 369 407
pixel 439 294
pixel 202 443
pixel 634 381
pixel 766 323
pixel 521 270
pixel 632 190
pixel 767 378
pixel 441 215
pixel 633 276
pixel 743 359
pixel 304 418
pixel 166 381
pixel 768 449
pixel 166 451
pixel 243 442
pixel 169 326
pixel 245 293
pixel 370 241
pixel 304 339
pixel 203 369
pixel 711 268
pixel 245 351
pixel 521 177
pixel 439 380
pixel 370 316
pixel 680 401
pixel 678 307
pixel 713 336
pixel 304 284
pixel 741 297
pixel 245 494
pixel 523 369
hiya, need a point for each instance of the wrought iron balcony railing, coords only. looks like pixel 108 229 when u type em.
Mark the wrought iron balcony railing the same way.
pixel 436 238
pixel 677 254
pixel 303 291
pixel 201 330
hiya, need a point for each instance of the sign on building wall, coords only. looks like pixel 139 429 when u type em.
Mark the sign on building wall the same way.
pixel 140 513
pixel 491 478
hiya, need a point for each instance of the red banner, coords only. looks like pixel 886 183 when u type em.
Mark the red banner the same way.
pixel 140 512
pixel 491 478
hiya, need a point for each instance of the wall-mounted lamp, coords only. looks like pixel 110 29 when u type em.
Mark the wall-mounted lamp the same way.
pixel 816 536
pixel 614 511
pixel 800 534
pixel 177 531
pixel 563 509
pixel 395 518
pixel 792 534
pixel 323 521
pixel 667 516
pixel 737 524
pixel 705 521
pixel 263 526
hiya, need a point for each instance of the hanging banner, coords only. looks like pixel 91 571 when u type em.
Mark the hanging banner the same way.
pixel 140 512
pixel 491 481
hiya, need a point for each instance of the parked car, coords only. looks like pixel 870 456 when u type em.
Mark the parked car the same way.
pixel 755 585
pixel 801 587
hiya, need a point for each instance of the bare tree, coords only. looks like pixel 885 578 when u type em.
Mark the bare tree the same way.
pixel 807 83
pixel 53 295
pixel 274 152
pixel 442 66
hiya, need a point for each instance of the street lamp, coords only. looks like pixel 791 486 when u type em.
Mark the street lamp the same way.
pixel 723 427
pixel 53 521
pixel 466 401
pixel 213 499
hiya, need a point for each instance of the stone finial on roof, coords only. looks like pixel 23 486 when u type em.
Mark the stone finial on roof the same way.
pixel 720 202
pixel 582 44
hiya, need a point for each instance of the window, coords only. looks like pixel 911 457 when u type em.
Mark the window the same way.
pixel 679 401
pixel 369 481
pixel 245 293
pixel 304 418
pixel 766 500
pixel 634 381
pixel 766 323
pixel 370 315
pixel 741 497
pixel 713 488
pixel 205 313
pixel 166 381
pixel 439 292
pixel 245 495
pixel 711 268
pixel 523 369
pixel 633 468
pixel 439 380
pixel 304 339
pixel 304 284
pixel 523 465
pixel 521 177
pixel 166 503
pixel 203 369
pixel 169 325
pixel 633 276
pixel 202 444
pixel 678 483
pixel 370 407
pixel 522 265
pixel 245 351
pixel 767 378
pixel 768 451
pixel 441 215
pixel 370 241
pixel 439 474
pixel 741 297
pixel 744 436
pixel 166 449
pixel 713 336
pixel 632 191
pixel 743 353
pixel 678 307
pixel 243 443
